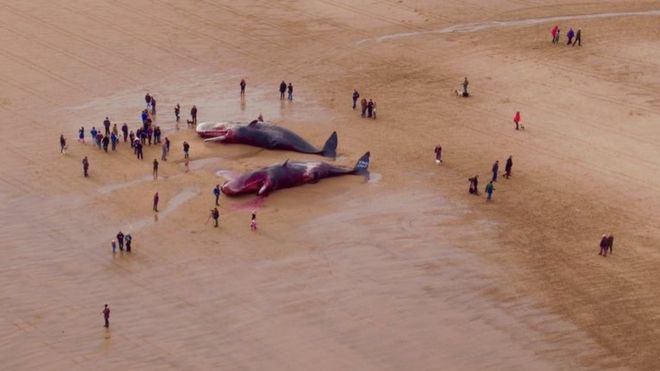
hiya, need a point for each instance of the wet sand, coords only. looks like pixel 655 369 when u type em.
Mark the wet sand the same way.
pixel 404 271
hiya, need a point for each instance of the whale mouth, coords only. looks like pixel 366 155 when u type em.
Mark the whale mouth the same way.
pixel 252 183
pixel 218 138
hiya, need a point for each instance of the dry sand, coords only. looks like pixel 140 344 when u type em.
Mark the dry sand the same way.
pixel 403 272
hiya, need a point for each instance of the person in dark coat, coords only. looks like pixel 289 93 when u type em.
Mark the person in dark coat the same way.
pixel 438 154
pixel 356 95
pixel 106 141
pixel 85 164
pixel 495 169
pixel 578 38
pixel 106 125
pixel 610 242
pixel 193 114
pixel 120 240
pixel 282 89
pixel 474 185
pixel 603 246
pixel 507 167
pixel 370 108
pixel 124 131
pixel 147 99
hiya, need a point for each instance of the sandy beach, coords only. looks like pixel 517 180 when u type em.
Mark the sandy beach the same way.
pixel 403 270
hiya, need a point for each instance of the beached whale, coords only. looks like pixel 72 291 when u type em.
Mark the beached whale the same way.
pixel 263 135
pixel 289 174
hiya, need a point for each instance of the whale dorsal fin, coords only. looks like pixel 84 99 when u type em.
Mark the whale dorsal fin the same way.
pixel 253 123
pixel 285 163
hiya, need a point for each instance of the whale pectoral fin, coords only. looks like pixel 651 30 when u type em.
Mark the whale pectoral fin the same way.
pixel 216 139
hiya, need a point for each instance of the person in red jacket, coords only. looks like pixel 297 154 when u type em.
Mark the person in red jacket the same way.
pixel 516 119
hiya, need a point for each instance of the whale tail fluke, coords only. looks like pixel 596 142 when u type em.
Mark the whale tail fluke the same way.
pixel 362 165
pixel 330 146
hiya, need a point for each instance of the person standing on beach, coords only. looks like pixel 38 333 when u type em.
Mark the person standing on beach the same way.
pixel 243 85
pixel 157 134
pixel 177 111
pixel 465 87
pixel 290 90
pixel 113 141
pixel 106 315
pixel 140 154
pixel 495 169
pixel 558 36
pixel 147 99
pixel 114 246
pixel 62 144
pixel 150 134
pixel 363 105
pixel 569 36
pixel 106 125
pixel 92 133
pixel 156 198
pixel 356 95
pixel 438 154
pixel 489 189
pixel 374 110
pixel 603 246
pixel 120 240
pixel 186 150
pixel 516 119
pixel 99 140
pixel 153 105
pixel 193 114
pixel 215 214
pixel 554 34
pixel 610 242
pixel 129 239
pixel 253 222
pixel 216 193
pixel 507 167
pixel 370 108
pixel 163 155
pixel 282 89
pixel 85 164
pixel 474 185
pixel 106 142
pixel 124 131
pixel 81 135
pixel 155 169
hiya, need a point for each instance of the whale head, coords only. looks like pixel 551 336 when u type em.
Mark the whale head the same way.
pixel 216 130
pixel 254 182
